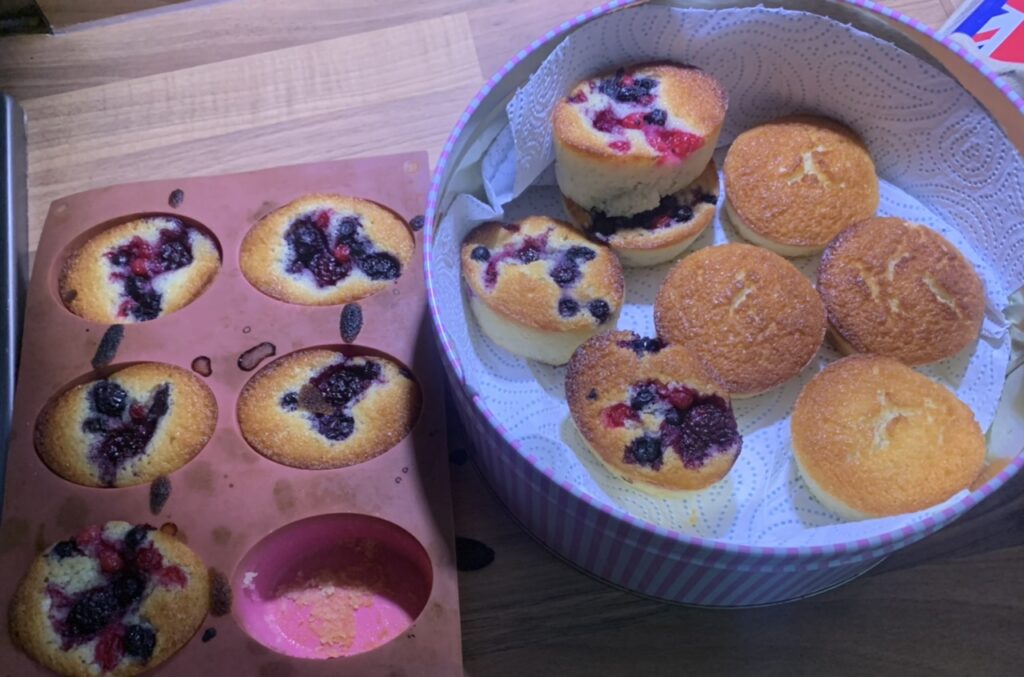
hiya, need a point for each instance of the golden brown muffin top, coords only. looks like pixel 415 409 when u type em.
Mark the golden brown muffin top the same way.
pixel 543 273
pixel 644 113
pixel 753 317
pixel 896 288
pixel 882 439
pixel 800 180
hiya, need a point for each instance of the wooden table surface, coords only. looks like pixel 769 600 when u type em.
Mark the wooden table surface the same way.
pixel 243 84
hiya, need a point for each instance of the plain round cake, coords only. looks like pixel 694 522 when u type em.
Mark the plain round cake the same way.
pixel 872 437
pixel 114 600
pixel 539 288
pixel 625 140
pixel 900 289
pixel 656 235
pixel 138 423
pixel 139 270
pixel 651 413
pixel 748 312
pixel 321 408
pixel 793 184
pixel 326 250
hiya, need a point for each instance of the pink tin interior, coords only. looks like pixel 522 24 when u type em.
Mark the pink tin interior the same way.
pixel 389 517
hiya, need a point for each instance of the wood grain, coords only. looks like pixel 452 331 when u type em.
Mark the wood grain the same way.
pixel 63 14
pixel 240 84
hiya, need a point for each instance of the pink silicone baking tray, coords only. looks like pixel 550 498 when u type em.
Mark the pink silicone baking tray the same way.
pixel 394 510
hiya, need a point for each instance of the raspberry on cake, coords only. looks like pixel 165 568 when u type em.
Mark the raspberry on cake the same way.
pixel 114 600
pixel 139 270
pixel 539 288
pixel 896 288
pixel 326 250
pixel 651 412
pixel 139 423
pixel 656 235
pixel 792 184
pixel 320 408
pixel 749 313
pixel 872 437
pixel 624 141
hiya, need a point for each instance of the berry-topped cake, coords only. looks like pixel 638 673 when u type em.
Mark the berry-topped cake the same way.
pixel 139 270
pixel 625 140
pixel 539 288
pixel 114 600
pixel 656 235
pixel 326 250
pixel 321 408
pixel 651 412
pixel 139 423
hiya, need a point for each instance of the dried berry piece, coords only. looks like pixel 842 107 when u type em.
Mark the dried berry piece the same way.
pixel 480 253
pixel 251 358
pixel 351 322
pixel 417 222
pixel 471 555
pixel 176 197
pixel 202 366
pixel 159 492
pixel 208 634
pixel 220 593
pixel 107 349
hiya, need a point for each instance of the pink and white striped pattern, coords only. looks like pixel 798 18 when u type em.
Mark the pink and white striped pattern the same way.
pixel 618 547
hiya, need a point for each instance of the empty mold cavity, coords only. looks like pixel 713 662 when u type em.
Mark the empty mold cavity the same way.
pixel 136 268
pixel 331 586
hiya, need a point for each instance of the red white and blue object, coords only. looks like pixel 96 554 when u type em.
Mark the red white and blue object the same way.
pixel 995 28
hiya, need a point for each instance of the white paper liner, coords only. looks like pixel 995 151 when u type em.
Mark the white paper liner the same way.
pixel 942 161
